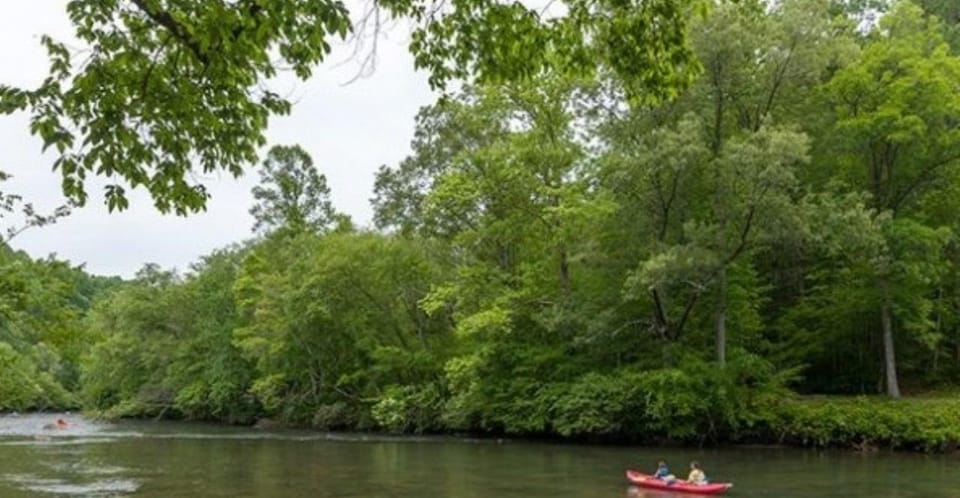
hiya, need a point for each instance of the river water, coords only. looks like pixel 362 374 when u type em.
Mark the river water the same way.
pixel 165 459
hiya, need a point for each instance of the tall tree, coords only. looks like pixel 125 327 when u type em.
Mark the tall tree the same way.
pixel 760 63
pixel 292 194
pixel 896 110
pixel 710 214
pixel 675 163
pixel 442 132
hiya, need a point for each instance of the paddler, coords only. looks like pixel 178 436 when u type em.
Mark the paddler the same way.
pixel 663 472
pixel 696 477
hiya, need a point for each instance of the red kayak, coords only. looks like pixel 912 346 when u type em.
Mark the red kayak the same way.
pixel 648 481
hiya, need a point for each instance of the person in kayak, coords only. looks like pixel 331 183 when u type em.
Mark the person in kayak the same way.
pixel 663 472
pixel 696 477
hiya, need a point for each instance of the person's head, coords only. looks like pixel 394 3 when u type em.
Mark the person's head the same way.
pixel 695 465
pixel 661 464
pixel 60 421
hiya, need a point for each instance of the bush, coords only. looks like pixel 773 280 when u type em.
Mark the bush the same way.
pixel 334 416
pixel 595 405
pixel 409 409
pixel 929 425
pixel 691 404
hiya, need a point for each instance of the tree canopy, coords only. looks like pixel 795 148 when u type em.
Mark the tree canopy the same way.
pixel 556 257
pixel 165 88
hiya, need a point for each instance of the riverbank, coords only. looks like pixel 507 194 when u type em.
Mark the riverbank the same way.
pixel 927 425
pixel 915 424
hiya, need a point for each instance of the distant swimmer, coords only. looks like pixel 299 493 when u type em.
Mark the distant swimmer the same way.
pixel 59 425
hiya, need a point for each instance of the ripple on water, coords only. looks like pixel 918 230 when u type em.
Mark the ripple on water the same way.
pixel 65 442
pixel 61 487
pixel 85 468
pixel 36 424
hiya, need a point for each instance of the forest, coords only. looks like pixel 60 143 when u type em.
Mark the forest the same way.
pixel 769 253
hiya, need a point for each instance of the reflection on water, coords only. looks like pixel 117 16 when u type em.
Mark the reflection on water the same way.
pixel 145 459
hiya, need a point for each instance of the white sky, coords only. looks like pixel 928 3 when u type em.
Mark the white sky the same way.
pixel 350 130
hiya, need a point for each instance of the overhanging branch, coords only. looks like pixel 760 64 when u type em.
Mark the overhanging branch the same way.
pixel 164 19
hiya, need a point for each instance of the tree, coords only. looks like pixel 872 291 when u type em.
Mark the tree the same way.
pixel 895 110
pixel 442 132
pixel 163 88
pixel 40 321
pixel 519 208
pixel 708 214
pixel 699 164
pixel 949 13
pixel 137 330
pixel 210 377
pixel 331 321
pixel 759 65
pixel 292 195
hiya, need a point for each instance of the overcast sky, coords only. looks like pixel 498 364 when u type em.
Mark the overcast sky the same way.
pixel 350 130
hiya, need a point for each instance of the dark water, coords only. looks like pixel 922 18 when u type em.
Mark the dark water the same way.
pixel 185 460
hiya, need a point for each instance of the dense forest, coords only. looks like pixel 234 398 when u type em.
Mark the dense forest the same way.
pixel 564 257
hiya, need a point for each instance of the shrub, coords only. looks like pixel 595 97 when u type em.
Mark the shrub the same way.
pixel 409 408
pixel 925 425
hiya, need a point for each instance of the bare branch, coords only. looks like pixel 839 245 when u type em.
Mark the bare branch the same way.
pixel 370 18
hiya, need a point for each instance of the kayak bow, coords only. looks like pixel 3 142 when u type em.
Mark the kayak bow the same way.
pixel 648 481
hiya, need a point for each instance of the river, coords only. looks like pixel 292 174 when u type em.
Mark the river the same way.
pixel 170 459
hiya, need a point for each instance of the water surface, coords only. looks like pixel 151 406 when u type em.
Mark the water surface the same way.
pixel 164 459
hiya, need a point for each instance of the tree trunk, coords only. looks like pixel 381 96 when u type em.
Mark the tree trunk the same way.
pixel 889 357
pixel 721 318
pixel 565 286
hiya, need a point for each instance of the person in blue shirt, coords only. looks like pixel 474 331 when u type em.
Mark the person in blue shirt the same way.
pixel 663 472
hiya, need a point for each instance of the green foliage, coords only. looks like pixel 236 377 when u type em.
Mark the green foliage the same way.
pixel 24 386
pixel 867 423
pixel 691 404
pixel 42 339
pixel 292 195
pixel 335 317
pixel 497 42
pixel 162 89
pixel 561 259
pixel 166 86
pixel 165 347
pixel 410 409
pixel 210 376
pixel 10 203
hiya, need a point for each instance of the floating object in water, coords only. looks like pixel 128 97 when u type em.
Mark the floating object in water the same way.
pixel 648 481
pixel 58 425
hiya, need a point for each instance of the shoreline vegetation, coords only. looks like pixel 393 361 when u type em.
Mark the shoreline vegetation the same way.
pixel 857 423
pixel 756 260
